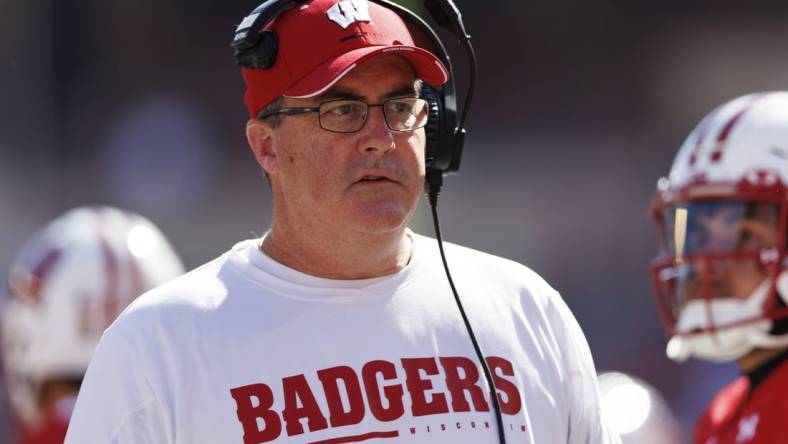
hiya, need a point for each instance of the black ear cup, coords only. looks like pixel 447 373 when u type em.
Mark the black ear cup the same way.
pixel 444 146
pixel 434 128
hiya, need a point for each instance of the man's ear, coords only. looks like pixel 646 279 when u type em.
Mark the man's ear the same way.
pixel 261 141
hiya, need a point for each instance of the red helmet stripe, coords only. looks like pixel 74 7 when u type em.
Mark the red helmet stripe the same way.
pixel 137 284
pixel 45 265
pixel 112 293
pixel 716 154
pixel 698 143
pixel 29 287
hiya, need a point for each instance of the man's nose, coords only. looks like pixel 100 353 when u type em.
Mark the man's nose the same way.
pixel 378 138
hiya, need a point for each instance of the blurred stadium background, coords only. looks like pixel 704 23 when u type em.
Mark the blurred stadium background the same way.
pixel 580 107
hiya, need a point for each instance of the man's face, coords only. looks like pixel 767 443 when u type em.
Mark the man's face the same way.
pixel 731 232
pixel 318 177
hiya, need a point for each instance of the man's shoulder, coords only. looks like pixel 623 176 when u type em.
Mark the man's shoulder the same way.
pixel 723 408
pixel 730 399
pixel 465 253
pixel 198 291
pixel 190 288
pixel 737 408
pixel 496 270
pixel 462 254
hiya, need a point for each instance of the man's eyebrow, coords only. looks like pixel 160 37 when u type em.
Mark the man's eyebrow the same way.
pixel 338 94
pixel 407 91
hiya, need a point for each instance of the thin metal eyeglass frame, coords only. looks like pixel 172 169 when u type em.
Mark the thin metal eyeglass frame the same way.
pixel 294 111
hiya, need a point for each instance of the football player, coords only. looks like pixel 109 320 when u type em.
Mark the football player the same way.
pixel 720 278
pixel 67 284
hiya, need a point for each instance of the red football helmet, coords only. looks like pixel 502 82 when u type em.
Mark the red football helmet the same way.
pixel 719 277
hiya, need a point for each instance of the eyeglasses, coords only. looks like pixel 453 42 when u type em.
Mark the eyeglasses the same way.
pixel 349 116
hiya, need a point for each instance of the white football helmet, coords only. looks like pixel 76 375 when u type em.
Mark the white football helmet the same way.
pixel 67 284
pixel 719 278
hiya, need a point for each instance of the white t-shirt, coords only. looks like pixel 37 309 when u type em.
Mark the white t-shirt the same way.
pixel 246 350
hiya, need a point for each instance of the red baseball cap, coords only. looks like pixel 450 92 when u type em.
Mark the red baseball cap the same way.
pixel 322 40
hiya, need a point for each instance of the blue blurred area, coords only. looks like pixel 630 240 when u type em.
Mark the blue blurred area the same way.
pixel 580 108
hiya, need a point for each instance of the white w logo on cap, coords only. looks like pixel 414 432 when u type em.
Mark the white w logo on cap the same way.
pixel 347 12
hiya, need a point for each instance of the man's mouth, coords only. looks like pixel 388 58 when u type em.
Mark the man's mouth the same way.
pixel 373 178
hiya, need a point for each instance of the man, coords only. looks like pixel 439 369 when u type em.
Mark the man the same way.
pixel 67 283
pixel 721 279
pixel 338 325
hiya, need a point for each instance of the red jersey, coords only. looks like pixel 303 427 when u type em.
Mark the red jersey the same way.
pixel 52 429
pixel 736 416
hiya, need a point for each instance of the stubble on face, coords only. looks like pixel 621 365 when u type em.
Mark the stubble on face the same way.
pixel 320 177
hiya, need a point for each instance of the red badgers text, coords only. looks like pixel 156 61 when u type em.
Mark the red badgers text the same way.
pixel 366 392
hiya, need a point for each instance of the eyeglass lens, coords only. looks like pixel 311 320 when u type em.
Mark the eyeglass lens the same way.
pixel 400 114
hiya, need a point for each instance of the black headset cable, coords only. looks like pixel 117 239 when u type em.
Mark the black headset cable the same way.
pixel 434 182
pixel 434 185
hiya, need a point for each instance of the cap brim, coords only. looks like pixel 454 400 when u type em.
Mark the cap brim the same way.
pixel 428 68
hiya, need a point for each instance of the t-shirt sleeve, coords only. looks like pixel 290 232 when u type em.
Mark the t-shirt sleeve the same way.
pixel 116 404
pixel 587 424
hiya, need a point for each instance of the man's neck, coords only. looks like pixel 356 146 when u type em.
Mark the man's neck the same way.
pixel 766 365
pixel 341 255
pixel 758 357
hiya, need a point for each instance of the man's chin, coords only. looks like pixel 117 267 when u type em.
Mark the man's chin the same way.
pixel 379 218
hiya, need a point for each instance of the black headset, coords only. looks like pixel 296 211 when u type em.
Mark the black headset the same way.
pixel 256 48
